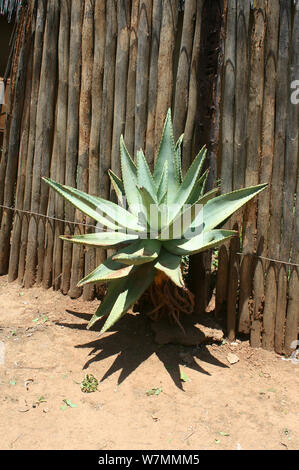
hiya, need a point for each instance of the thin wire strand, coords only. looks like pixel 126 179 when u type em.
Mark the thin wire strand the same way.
pixel 47 216
pixel 269 259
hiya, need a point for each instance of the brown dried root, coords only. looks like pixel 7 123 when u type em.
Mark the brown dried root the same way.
pixel 169 299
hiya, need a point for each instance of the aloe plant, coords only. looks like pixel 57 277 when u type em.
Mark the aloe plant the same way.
pixel 151 234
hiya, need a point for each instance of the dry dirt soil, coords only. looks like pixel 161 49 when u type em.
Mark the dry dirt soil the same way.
pixel 46 352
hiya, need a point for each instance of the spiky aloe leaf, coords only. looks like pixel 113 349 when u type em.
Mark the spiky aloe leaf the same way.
pixel 109 270
pixel 188 184
pixel 117 185
pixel 181 224
pixel 105 212
pixel 199 243
pixel 188 214
pixel 222 207
pixel 123 294
pixel 199 188
pixel 115 289
pixel 167 153
pixel 206 197
pixel 144 176
pixel 129 176
pixel 185 218
pixel 138 253
pixel 150 210
pixel 104 239
pixel 170 265
pixel 163 185
pixel 85 205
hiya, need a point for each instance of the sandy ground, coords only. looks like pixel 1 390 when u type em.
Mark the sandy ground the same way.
pixel 46 351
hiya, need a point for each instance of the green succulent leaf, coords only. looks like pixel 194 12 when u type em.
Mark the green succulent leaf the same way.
pixel 109 270
pixel 149 210
pixel 183 194
pixel 115 289
pixel 222 207
pixel 138 253
pixel 129 174
pixel 167 153
pixel 181 224
pixel 118 186
pixel 104 239
pixel 81 201
pixel 199 188
pixel 199 243
pixel 115 216
pixel 206 197
pixel 163 185
pixel 170 265
pixel 144 176
pixel 123 294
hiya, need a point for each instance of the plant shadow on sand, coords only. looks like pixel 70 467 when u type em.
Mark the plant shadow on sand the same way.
pixel 132 341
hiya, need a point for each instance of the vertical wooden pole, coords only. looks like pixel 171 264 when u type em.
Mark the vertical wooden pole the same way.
pixel 241 93
pixel 78 260
pixel 21 171
pixel 153 82
pixel 269 312
pixel 229 99
pixel 181 98
pixel 95 257
pixel 51 59
pixel 121 76
pixel 165 64
pixel 233 288
pixel 280 307
pixel 142 71
pixel 108 98
pixel 131 82
pixel 233 165
pixel 272 316
pixel 282 98
pixel 17 47
pixel 53 252
pixel 267 149
pixel 49 222
pixel 291 148
pixel 37 60
pixel 221 283
pixel 257 306
pixel 292 321
pixel 88 291
pixel 193 91
pixel 254 128
pixel 206 131
pixel 43 147
pixel 72 137
pixel 223 295
pixel 289 210
pixel 13 148
pixel 62 117
pixel 214 154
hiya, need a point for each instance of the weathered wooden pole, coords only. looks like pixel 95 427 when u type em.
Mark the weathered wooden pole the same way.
pixel 72 137
pixel 14 143
pixel 78 260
